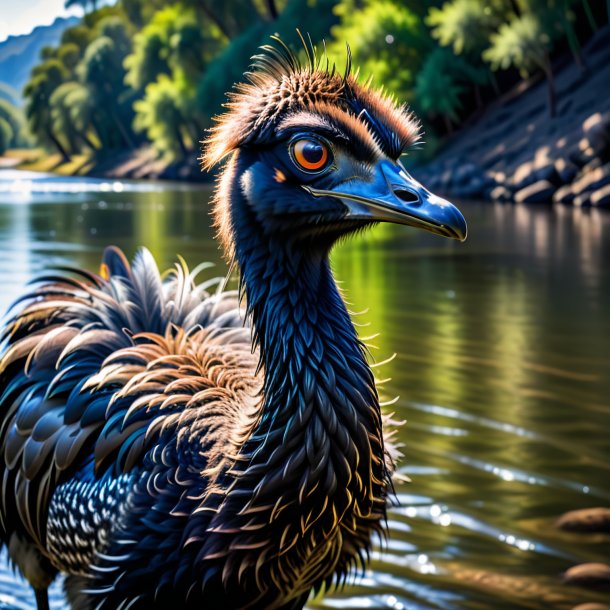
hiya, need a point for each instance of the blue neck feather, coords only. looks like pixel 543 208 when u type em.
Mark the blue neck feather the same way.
pixel 312 473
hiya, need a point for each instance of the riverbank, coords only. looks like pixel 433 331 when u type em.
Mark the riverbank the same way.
pixel 513 152
pixel 141 163
pixel 516 152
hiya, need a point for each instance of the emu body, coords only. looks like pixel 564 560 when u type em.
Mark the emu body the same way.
pixel 149 452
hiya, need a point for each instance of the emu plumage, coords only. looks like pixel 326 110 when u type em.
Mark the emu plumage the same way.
pixel 149 452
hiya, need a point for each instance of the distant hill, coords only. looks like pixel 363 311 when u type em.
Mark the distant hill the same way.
pixel 19 54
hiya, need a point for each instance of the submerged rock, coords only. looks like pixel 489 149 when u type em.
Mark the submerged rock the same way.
pixel 586 519
pixel 596 575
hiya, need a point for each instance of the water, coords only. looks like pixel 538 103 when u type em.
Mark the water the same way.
pixel 502 373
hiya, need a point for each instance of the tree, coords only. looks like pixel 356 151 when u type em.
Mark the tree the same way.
pixel 160 116
pixel 66 120
pixel 523 43
pixel 46 77
pixel 6 135
pixel 13 116
pixel 79 35
pixel 464 25
pixel 437 90
pixel 388 41
pixel 69 55
pixel 101 70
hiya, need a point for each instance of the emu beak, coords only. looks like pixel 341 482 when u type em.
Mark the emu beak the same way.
pixel 394 196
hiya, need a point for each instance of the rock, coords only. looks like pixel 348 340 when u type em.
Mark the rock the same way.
pixel 583 154
pixel 564 194
pixel 582 201
pixel 445 179
pixel 588 575
pixel 586 519
pixel 500 193
pixel 592 180
pixel 566 170
pixel 546 172
pixel 524 176
pixel 464 172
pixel 539 192
pixel 473 189
pixel 591 165
pixel 596 131
pixel 591 606
pixel 601 198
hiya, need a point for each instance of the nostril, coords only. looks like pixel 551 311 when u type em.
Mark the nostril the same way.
pixel 406 196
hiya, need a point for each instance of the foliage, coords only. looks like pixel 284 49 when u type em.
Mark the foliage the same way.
pixel 388 41
pixel 6 135
pixel 12 121
pixel 160 115
pixel 521 43
pixel 157 70
pixel 464 25
pixel 437 87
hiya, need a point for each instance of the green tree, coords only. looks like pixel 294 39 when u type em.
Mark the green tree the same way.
pixel 388 41
pixel 66 120
pixel 69 55
pixel 102 72
pixel 46 77
pixel 13 116
pixel 464 25
pixel 160 115
pixel 524 44
pixel 79 35
pixel 437 87
pixel 6 135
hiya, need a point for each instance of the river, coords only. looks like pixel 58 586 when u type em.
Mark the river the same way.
pixel 502 376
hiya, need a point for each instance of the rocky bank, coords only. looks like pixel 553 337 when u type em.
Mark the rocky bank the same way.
pixel 515 152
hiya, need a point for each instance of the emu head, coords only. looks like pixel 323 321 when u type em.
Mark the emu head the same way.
pixel 316 155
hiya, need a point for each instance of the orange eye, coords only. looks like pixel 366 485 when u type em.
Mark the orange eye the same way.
pixel 310 155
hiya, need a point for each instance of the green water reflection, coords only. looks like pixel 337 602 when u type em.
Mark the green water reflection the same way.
pixel 502 369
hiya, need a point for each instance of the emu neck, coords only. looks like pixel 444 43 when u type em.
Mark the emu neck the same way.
pixel 320 426
pixel 310 352
pixel 310 483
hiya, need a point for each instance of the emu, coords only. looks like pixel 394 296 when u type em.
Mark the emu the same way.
pixel 165 448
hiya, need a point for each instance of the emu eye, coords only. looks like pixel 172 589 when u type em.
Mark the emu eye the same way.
pixel 309 155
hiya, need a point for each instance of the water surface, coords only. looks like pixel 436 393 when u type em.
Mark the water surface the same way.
pixel 502 375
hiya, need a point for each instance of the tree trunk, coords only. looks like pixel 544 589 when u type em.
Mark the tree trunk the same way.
pixel 126 137
pixel 573 43
pixel 180 141
pixel 477 96
pixel 87 141
pixel 219 22
pixel 448 125
pixel 589 14
pixel 515 6
pixel 272 9
pixel 60 148
pixel 494 81
pixel 550 79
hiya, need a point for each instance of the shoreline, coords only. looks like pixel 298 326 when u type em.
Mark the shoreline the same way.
pixel 512 152
pixel 516 152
